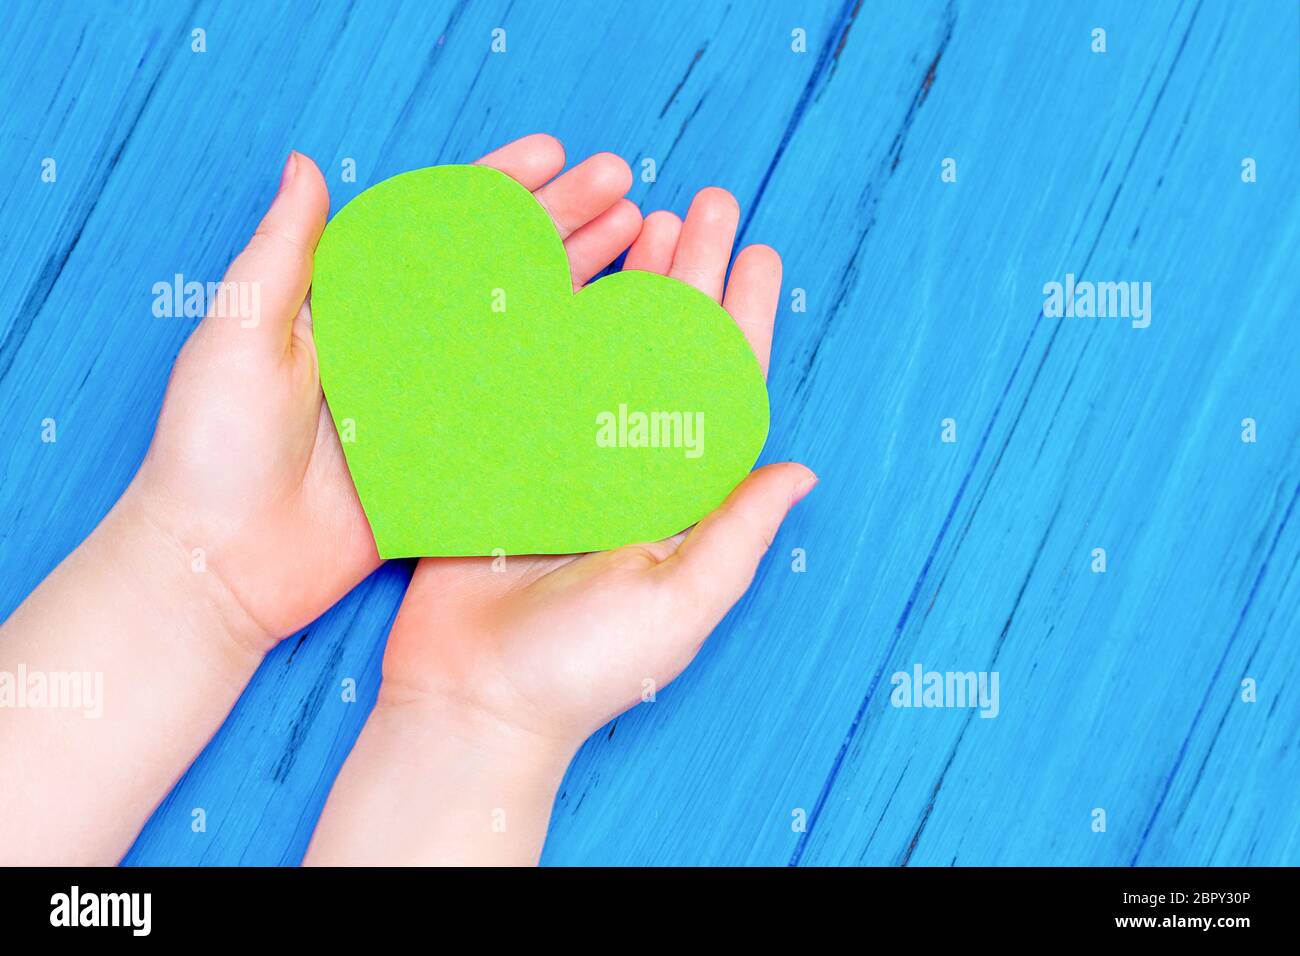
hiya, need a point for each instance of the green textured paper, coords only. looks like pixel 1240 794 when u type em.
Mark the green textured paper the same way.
pixel 469 384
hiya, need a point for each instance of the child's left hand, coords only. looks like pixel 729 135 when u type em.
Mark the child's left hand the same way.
pixel 246 473
pixel 241 527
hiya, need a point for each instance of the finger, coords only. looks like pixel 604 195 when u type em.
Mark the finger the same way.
pixel 704 248
pixel 269 279
pixel 752 295
pixel 532 161
pixel 600 241
pixel 585 191
pixel 718 559
pixel 654 247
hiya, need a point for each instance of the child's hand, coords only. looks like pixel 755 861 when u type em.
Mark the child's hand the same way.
pixel 241 526
pixel 492 679
pixel 245 474
pixel 556 646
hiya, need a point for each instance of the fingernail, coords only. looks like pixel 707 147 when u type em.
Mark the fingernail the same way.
pixel 290 167
pixel 801 492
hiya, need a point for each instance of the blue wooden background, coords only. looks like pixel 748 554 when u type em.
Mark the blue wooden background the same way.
pixel 1119 691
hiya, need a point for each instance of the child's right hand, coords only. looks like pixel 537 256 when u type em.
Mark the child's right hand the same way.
pixel 553 647
pixel 493 679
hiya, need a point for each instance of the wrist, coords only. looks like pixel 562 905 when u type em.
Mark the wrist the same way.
pixel 134 640
pixel 434 782
pixel 155 567
pixel 450 724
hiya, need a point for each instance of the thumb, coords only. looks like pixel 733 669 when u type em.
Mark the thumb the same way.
pixel 273 273
pixel 717 560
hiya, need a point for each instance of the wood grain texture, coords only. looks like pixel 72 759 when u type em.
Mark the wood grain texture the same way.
pixel 1118 690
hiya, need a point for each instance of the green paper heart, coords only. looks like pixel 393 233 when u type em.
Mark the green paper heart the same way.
pixel 485 408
